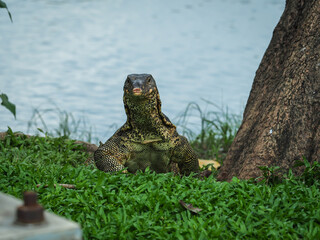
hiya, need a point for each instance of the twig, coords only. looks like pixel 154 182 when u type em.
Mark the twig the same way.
pixel 69 186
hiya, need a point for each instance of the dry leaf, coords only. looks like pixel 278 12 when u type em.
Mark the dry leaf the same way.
pixel 190 207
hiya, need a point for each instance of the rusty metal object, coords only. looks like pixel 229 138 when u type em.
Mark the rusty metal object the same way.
pixel 31 211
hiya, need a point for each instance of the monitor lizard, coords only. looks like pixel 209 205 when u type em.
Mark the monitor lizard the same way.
pixel 148 138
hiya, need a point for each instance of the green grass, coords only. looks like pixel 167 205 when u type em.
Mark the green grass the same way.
pixel 146 205
pixel 67 125
pixel 217 127
pixel 217 130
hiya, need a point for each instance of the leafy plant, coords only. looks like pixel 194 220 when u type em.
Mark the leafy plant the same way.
pixel 270 174
pixel 5 100
pixel 7 104
pixel 4 5
pixel 311 172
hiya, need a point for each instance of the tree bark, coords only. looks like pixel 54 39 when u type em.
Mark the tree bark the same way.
pixel 282 116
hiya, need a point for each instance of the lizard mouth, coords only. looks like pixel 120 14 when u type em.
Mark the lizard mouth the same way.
pixel 137 91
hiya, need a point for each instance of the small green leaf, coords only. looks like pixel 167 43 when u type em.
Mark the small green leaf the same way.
pixel 5 102
pixel 4 5
pixel 72 200
pixel 40 130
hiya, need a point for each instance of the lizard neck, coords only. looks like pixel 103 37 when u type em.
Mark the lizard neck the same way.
pixel 145 119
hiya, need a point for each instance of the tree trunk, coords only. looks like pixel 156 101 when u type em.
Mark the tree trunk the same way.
pixel 282 116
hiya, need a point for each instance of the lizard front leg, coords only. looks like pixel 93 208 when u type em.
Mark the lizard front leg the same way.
pixel 184 155
pixel 110 156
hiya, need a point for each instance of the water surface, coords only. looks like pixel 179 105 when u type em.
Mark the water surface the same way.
pixel 77 54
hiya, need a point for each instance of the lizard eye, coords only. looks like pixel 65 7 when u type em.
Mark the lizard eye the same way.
pixel 149 80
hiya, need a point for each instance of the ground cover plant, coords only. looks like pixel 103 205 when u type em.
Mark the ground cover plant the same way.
pixel 146 205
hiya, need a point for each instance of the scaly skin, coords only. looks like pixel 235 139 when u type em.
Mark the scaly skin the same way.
pixel 148 138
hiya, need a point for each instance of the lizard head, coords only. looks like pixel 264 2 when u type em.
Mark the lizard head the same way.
pixel 140 90
pixel 140 86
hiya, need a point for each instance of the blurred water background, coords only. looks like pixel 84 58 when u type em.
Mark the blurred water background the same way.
pixel 76 54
